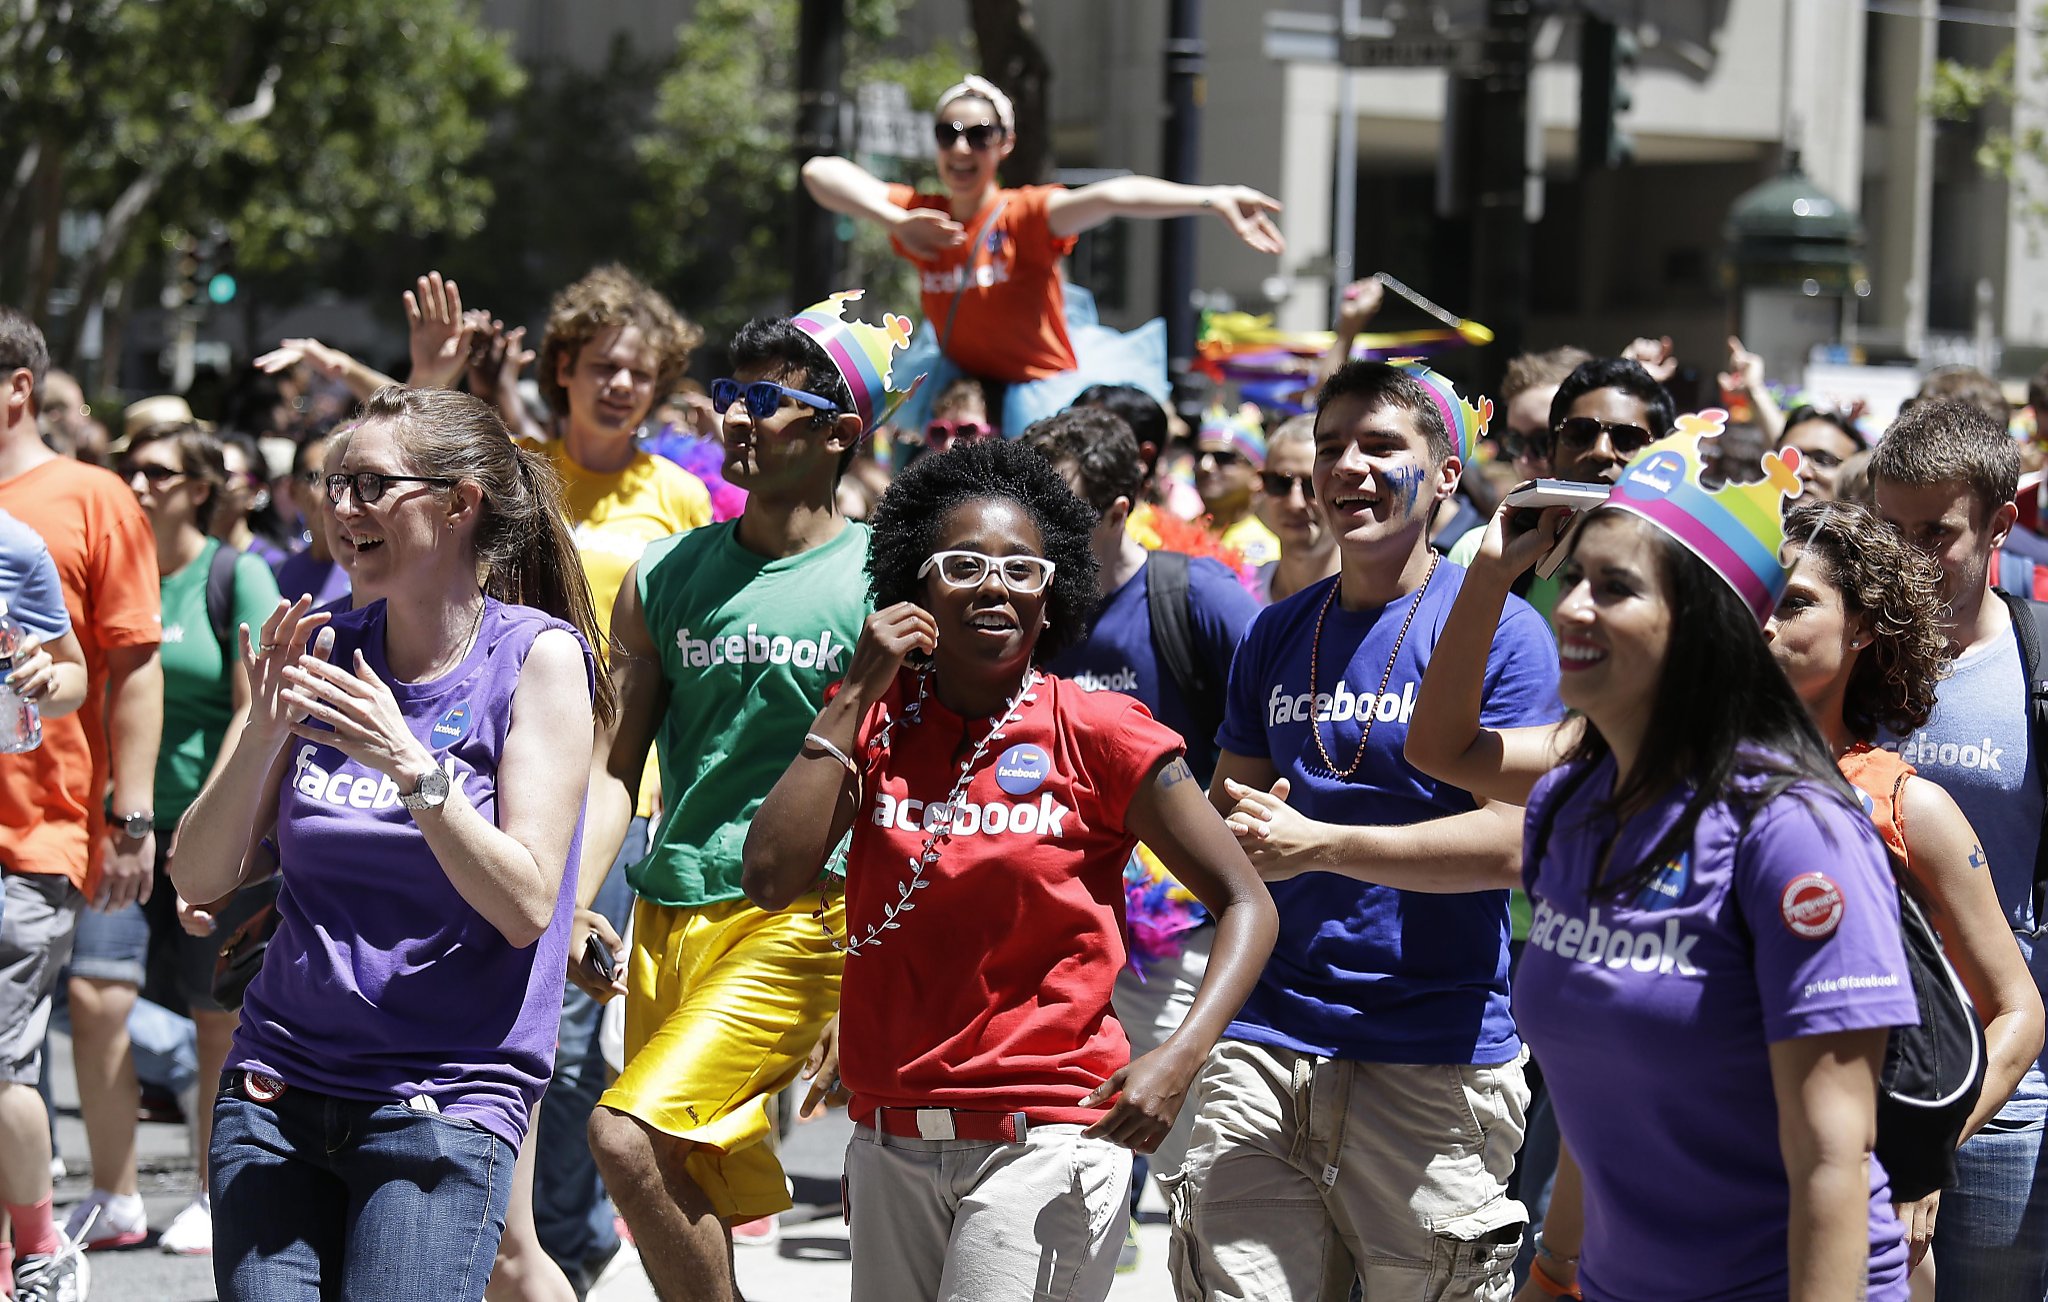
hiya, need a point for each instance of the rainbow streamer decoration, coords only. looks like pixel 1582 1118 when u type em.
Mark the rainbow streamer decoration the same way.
pixel 863 354
pixel 1466 423
pixel 1277 368
pixel 1738 529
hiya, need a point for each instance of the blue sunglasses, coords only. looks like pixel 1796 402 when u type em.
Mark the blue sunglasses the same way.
pixel 764 397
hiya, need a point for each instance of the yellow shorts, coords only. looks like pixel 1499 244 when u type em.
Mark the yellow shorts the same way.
pixel 724 1002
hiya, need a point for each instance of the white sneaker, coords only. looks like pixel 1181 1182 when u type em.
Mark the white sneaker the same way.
pixel 60 1276
pixel 100 1222
pixel 190 1233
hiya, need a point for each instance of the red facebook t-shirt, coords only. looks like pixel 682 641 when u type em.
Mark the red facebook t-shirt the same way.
pixel 992 994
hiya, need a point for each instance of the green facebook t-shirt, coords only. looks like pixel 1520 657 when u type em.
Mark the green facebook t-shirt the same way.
pixel 199 695
pixel 748 646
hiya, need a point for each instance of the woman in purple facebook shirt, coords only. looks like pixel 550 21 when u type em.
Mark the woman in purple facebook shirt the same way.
pixel 1714 962
pixel 402 1027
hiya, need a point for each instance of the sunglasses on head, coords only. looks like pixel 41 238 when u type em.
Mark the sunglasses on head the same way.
pixel 979 136
pixel 965 569
pixel 940 433
pixel 1278 486
pixel 764 397
pixel 1582 432
pixel 369 485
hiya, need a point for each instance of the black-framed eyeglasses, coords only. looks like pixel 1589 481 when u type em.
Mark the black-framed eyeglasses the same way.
pixel 1581 432
pixel 1279 486
pixel 155 474
pixel 369 485
pixel 979 136
pixel 764 397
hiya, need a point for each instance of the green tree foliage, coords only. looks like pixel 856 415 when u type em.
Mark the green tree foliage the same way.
pixel 292 125
pixel 721 174
pixel 2012 110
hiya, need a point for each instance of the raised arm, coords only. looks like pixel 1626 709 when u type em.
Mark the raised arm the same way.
pixel 1243 209
pixel 1361 304
pixel 1170 815
pixel 1826 1086
pixel 844 186
pixel 787 842
pixel 361 378
pixel 1445 739
pixel 1946 865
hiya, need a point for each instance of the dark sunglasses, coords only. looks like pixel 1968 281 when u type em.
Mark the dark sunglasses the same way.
pixel 1221 456
pixel 763 397
pixel 940 433
pixel 1279 486
pixel 1582 432
pixel 369 485
pixel 153 473
pixel 979 136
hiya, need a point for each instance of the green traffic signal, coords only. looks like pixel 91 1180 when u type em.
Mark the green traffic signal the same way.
pixel 221 289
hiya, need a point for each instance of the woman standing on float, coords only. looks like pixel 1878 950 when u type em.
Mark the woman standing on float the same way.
pixel 988 258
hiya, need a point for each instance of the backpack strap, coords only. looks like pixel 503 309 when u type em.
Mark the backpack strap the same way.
pixel 1167 603
pixel 220 600
pixel 2030 625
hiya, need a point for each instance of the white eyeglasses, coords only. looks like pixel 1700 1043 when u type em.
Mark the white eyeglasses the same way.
pixel 958 569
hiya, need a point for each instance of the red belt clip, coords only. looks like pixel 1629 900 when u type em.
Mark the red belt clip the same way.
pixel 947 1123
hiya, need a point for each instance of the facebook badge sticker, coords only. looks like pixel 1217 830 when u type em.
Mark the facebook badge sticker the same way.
pixel 454 721
pixel 1022 770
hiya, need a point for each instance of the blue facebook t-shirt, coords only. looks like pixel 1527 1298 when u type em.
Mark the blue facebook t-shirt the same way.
pixel 1367 972
pixel 29 582
pixel 1117 655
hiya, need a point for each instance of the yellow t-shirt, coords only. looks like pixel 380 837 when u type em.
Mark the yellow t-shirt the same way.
pixel 1252 540
pixel 615 516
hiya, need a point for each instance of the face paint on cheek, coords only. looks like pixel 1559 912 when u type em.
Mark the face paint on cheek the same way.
pixel 1407 485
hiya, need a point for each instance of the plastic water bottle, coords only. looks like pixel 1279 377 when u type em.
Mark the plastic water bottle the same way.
pixel 21 726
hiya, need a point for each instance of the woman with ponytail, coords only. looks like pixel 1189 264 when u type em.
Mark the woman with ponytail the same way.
pixel 402 1028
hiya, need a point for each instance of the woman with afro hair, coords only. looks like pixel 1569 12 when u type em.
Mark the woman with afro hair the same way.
pixel 992 808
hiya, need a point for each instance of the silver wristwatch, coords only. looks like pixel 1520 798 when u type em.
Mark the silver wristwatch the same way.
pixel 137 825
pixel 430 793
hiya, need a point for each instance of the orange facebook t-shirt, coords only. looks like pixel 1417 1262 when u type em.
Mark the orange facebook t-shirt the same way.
pixel 1012 321
pixel 52 818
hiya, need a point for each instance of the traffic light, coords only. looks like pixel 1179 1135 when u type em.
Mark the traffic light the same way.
pixel 1607 56
pixel 182 282
pixel 199 274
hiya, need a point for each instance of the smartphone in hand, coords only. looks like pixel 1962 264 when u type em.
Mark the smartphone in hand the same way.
pixel 599 959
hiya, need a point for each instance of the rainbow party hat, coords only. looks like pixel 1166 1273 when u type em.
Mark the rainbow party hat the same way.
pixel 1466 422
pixel 862 353
pixel 1738 529
pixel 1237 430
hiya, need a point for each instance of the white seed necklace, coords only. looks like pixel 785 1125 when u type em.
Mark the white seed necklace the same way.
pixel 940 817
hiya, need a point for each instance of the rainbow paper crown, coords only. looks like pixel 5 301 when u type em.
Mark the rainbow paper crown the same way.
pixel 1239 429
pixel 1738 529
pixel 1466 423
pixel 862 353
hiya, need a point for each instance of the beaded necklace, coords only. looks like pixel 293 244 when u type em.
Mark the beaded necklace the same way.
pixel 941 823
pixel 1315 726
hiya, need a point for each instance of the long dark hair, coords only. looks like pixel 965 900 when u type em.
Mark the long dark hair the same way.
pixel 1723 710
pixel 522 540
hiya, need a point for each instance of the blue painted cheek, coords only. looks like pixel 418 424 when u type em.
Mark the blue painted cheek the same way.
pixel 1407 485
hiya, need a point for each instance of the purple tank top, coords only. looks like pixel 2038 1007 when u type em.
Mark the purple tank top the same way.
pixel 382 983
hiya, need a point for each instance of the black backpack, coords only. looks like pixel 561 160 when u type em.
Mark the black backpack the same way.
pixel 1173 641
pixel 220 601
pixel 2030 623
pixel 1934 1072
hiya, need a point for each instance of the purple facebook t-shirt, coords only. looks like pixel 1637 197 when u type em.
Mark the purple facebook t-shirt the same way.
pixel 1652 1018
pixel 382 983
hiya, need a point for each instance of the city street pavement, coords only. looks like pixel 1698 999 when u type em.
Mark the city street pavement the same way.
pixel 808 1265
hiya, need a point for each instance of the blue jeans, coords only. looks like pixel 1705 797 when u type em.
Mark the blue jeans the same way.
pixel 317 1198
pixel 1991 1235
pixel 571 1214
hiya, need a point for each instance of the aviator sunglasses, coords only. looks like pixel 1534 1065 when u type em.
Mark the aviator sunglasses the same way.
pixel 1582 432
pixel 764 397
pixel 979 136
